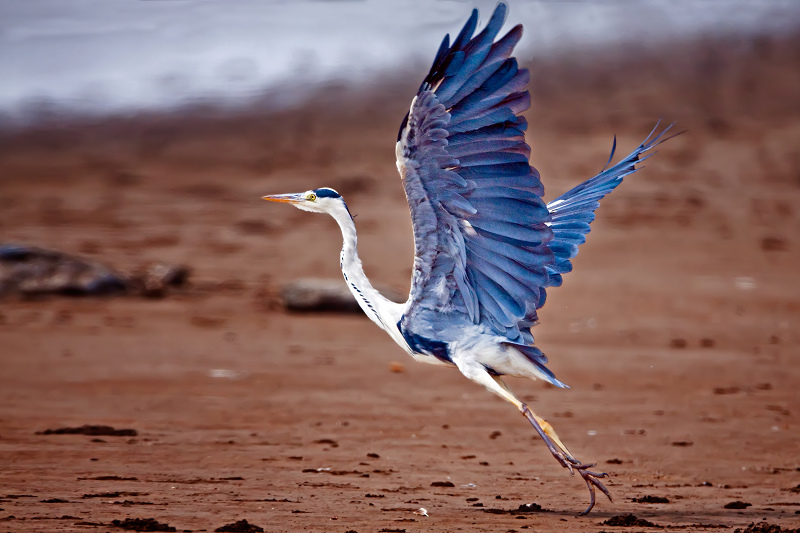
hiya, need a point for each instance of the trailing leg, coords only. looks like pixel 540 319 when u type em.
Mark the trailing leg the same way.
pixel 564 457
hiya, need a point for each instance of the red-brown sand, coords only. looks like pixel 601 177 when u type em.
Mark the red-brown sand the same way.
pixel 677 332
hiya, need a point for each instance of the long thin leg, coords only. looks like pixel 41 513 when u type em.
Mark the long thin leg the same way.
pixel 559 451
pixel 566 459
pixel 543 428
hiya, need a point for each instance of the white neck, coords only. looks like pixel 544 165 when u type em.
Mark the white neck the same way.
pixel 380 310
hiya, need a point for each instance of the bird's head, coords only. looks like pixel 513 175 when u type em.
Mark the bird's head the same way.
pixel 324 200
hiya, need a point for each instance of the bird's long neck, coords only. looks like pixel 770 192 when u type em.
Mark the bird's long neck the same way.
pixel 380 310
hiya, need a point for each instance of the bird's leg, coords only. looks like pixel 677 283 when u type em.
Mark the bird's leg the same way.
pixel 478 373
pixel 550 438
pixel 554 444
pixel 544 429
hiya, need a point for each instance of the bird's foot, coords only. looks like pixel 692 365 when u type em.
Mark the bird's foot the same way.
pixel 565 458
pixel 592 480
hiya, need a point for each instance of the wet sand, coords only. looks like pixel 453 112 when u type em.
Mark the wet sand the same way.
pixel 677 332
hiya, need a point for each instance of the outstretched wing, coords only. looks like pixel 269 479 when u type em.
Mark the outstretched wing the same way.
pixel 480 225
pixel 572 212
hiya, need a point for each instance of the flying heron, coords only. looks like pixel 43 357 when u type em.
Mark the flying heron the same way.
pixel 486 246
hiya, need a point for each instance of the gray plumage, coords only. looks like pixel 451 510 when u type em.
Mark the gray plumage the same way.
pixel 486 245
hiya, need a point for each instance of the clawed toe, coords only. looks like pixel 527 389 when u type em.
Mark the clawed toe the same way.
pixel 592 480
pixel 565 458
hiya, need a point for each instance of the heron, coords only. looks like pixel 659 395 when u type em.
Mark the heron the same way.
pixel 486 246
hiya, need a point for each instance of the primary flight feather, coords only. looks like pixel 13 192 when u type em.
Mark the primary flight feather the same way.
pixel 486 246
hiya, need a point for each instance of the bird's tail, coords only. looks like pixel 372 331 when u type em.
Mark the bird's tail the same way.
pixel 539 360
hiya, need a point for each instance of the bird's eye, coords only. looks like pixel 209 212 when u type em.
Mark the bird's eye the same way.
pixel 311 197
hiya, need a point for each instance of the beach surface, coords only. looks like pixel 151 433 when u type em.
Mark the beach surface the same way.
pixel 678 331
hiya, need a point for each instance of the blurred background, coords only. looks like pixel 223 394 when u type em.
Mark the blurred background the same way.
pixel 143 131
pixel 88 56
pixel 144 114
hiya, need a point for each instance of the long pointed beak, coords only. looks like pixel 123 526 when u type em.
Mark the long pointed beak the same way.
pixel 284 198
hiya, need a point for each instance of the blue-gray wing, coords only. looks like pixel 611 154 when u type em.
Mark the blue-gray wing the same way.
pixel 572 212
pixel 480 225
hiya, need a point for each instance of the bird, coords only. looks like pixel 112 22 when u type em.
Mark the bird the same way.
pixel 486 246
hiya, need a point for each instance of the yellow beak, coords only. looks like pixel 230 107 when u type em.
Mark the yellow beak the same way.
pixel 284 198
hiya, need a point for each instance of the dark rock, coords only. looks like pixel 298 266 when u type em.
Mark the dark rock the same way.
pixel 34 271
pixel 242 526
pixel 764 527
pixel 154 279
pixel 530 508
pixel 109 478
pixel 651 499
pixel 628 520
pixel 737 505
pixel 115 494
pixel 30 270
pixel 90 430
pixel 142 524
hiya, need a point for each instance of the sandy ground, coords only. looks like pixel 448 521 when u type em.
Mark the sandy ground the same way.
pixel 677 331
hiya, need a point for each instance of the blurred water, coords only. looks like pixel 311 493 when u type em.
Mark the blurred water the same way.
pixel 101 55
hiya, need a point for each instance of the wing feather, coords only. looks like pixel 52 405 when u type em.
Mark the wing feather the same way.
pixel 572 212
pixel 477 48
pixel 486 244
pixel 479 221
pixel 498 53
pixel 496 158
pixel 492 116
pixel 474 147
pixel 492 298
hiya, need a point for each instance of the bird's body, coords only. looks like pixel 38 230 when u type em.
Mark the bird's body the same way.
pixel 486 245
pixel 423 333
